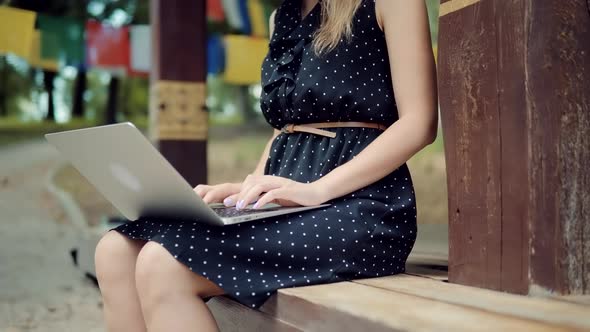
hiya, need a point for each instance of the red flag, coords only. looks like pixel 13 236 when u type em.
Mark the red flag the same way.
pixel 215 11
pixel 106 46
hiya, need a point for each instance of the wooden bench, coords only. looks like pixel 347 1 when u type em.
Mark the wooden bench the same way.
pixel 419 300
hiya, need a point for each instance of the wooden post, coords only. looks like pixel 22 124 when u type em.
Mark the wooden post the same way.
pixel 515 104
pixel 178 118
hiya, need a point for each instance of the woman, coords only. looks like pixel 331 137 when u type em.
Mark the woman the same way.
pixel 335 61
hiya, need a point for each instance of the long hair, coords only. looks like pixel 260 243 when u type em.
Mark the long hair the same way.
pixel 337 16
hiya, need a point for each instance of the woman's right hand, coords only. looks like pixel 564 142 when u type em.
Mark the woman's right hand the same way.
pixel 217 193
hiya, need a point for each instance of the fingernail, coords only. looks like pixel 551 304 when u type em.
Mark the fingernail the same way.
pixel 228 201
pixel 240 204
pixel 255 206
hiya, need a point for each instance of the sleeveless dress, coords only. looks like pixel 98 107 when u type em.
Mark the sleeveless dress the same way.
pixel 367 233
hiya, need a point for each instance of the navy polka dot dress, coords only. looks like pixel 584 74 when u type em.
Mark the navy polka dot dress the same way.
pixel 367 233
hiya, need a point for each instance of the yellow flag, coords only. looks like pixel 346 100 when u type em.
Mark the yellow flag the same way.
pixel 16 31
pixel 35 58
pixel 243 58
pixel 256 13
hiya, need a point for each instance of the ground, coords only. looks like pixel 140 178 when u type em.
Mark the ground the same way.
pixel 40 289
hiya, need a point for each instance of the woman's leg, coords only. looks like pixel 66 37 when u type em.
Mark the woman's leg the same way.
pixel 115 259
pixel 170 294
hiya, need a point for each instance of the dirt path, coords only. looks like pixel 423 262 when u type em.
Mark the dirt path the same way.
pixel 40 289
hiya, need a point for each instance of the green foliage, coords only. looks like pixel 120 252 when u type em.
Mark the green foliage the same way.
pixel 433 6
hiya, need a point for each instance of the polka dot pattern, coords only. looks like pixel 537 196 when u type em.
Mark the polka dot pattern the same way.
pixel 367 233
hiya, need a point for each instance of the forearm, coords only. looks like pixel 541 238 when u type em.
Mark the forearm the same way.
pixel 386 153
pixel 259 170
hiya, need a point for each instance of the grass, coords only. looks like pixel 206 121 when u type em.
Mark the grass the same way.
pixel 233 155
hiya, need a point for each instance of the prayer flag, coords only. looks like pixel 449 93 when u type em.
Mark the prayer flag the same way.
pixel 107 47
pixel 35 59
pixel 215 11
pixel 243 58
pixel 232 14
pixel 215 55
pixel 16 31
pixel 141 48
pixel 70 39
pixel 257 18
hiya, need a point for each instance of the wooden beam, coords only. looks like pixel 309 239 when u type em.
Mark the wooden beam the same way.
pixel 515 110
pixel 558 76
pixel 178 118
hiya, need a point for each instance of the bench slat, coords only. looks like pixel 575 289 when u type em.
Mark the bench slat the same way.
pixel 534 308
pixel 350 306
pixel 232 316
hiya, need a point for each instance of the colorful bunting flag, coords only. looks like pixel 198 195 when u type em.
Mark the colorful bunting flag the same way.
pixel 246 24
pixel 141 49
pixel 215 55
pixel 257 18
pixel 232 14
pixel 215 11
pixel 16 31
pixel 70 43
pixel 240 69
pixel 107 47
pixel 35 59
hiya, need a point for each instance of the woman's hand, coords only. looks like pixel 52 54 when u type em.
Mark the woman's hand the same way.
pixel 217 193
pixel 277 190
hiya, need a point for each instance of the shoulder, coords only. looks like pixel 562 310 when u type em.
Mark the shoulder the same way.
pixel 271 22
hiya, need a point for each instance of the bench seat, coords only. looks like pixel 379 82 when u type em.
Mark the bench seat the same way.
pixel 418 300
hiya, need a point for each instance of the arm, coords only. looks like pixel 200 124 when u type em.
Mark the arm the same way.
pixel 262 162
pixel 413 72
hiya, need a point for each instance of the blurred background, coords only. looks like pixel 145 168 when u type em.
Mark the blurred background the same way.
pixel 68 64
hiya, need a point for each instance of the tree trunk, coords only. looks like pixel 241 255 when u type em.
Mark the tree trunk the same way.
pixel 79 89
pixel 48 80
pixel 111 113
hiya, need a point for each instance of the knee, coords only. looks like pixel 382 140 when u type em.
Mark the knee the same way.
pixel 112 256
pixel 152 272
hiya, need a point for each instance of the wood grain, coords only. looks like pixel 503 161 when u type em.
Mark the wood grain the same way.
pixel 542 310
pixel 559 131
pixel 515 110
pixel 350 306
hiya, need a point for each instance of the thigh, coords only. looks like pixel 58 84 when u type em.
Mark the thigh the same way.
pixel 156 266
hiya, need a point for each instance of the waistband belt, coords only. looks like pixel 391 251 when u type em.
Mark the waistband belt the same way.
pixel 313 128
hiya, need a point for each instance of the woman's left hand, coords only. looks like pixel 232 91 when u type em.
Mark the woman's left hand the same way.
pixel 276 189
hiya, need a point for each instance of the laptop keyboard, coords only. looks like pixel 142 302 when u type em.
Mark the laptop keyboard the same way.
pixel 228 212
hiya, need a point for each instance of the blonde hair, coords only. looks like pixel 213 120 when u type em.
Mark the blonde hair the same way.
pixel 337 20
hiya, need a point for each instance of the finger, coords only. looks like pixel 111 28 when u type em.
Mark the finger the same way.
pixel 202 189
pixel 250 182
pixel 231 200
pixel 270 197
pixel 254 193
pixel 283 196
pixel 219 192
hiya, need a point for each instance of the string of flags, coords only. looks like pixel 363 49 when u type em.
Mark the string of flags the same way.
pixel 50 42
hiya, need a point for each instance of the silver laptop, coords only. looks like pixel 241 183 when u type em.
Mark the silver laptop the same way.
pixel 132 174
